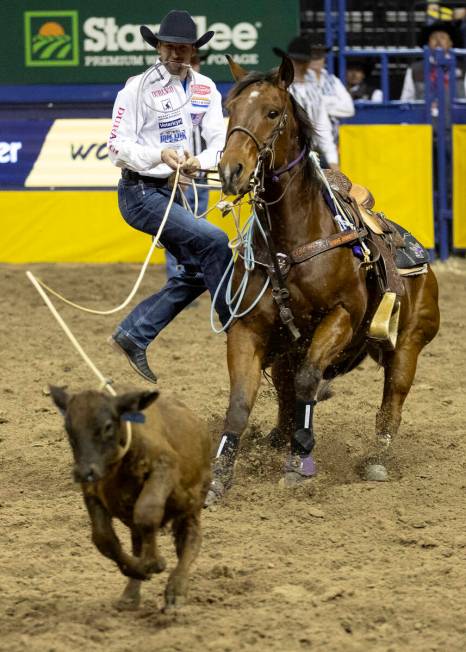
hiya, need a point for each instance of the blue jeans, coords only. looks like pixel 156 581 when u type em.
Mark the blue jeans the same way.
pixel 173 268
pixel 196 244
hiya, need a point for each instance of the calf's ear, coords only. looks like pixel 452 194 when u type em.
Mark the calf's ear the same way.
pixel 60 397
pixel 135 401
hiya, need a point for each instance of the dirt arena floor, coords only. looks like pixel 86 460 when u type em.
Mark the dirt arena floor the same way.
pixel 340 565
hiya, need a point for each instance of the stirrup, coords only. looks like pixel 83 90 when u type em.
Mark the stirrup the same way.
pixel 384 324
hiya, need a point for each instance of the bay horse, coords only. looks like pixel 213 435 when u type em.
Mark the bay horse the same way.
pixel 331 296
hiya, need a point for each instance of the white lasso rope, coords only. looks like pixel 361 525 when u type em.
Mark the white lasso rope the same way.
pixel 141 273
pixel 104 382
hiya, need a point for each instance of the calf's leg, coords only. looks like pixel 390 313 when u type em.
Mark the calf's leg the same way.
pixel 149 511
pixel 187 533
pixel 107 542
pixel 131 596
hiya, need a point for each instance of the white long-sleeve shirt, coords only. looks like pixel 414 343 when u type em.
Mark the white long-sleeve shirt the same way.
pixel 337 100
pixel 154 112
pixel 307 94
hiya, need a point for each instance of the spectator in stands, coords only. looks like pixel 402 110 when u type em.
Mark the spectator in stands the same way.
pixel 359 83
pixel 337 100
pixel 443 35
pixel 307 92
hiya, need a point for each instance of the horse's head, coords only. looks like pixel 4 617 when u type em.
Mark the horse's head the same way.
pixel 262 124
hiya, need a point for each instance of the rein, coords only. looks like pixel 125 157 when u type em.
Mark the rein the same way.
pixel 280 292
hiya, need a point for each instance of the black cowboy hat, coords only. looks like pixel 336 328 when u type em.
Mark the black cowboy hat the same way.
pixel 301 49
pixel 176 27
pixel 448 26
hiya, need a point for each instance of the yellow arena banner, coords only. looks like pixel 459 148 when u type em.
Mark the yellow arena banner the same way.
pixel 76 226
pixel 395 163
pixel 459 196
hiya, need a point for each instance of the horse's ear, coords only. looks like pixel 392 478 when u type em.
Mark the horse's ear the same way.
pixel 285 73
pixel 236 70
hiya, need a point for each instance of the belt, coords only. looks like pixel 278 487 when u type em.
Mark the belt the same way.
pixel 135 177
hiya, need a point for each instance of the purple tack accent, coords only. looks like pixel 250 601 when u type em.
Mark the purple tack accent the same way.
pixel 357 251
pixel 286 168
pixel 304 466
pixel 308 466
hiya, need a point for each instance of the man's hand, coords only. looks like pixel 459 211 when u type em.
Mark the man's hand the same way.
pixel 191 166
pixel 171 158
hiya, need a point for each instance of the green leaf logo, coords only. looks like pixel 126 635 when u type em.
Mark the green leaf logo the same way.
pixel 51 38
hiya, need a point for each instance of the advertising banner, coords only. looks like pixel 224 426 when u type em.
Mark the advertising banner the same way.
pixel 395 163
pixel 83 41
pixel 20 144
pixel 459 196
pixel 74 155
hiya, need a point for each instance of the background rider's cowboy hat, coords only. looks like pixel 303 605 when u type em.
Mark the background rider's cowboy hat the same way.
pixel 448 26
pixel 302 49
pixel 176 27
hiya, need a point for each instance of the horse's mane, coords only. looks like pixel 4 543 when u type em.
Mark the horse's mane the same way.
pixel 305 128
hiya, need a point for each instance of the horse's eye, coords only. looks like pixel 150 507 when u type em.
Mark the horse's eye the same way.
pixel 272 114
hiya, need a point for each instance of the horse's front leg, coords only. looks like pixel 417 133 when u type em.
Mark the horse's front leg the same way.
pixel 245 353
pixel 283 374
pixel 330 338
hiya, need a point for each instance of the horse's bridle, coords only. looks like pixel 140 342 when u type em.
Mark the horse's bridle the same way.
pixel 280 292
pixel 266 149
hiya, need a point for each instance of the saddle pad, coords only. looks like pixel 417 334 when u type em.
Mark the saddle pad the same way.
pixel 413 253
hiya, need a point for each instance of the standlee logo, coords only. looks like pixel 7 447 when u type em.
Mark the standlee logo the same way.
pixel 51 38
pixel 104 35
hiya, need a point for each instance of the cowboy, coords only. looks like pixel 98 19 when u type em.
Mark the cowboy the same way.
pixel 443 35
pixel 308 95
pixel 152 134
pixel 337 100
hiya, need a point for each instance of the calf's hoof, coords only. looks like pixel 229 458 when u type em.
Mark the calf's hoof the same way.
pixel 128 603
pixel 155 565
pixel 375 473
pixel 298 469
pixel 175 593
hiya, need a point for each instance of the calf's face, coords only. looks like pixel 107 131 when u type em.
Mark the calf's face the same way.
pixel 96 429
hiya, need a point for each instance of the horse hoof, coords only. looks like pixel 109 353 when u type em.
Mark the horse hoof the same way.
pixel 376 473
pixel 127 604
pixel 215 494
pixel 291 480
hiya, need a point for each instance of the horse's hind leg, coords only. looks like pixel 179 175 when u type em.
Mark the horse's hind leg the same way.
pixel 399 371
pixel 283 373
pixel 422 323
pixel 245 354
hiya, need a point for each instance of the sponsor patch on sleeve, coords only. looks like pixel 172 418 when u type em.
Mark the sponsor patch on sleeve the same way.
pixel 200 101
pixel 200 89
pixel 173 136
pixel 169 124
pixel 196 118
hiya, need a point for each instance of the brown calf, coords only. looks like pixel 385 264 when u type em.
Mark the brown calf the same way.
pixel 164 476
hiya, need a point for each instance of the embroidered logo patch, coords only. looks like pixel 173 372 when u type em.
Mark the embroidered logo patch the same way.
pixel 172 136
pixel 200 89
pixel 170 124
pixel 197 118
pixel 200 101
